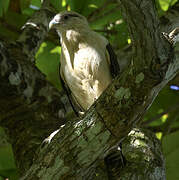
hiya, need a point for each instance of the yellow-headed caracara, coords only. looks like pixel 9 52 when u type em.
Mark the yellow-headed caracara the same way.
pixel 88 62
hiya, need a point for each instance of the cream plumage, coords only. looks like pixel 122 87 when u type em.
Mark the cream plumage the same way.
pixel 87 60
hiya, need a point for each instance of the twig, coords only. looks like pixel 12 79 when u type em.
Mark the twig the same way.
pixel 170 109
pixel 106 31
pixel 94 15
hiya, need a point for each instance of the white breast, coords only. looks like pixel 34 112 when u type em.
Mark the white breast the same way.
pixel 87 73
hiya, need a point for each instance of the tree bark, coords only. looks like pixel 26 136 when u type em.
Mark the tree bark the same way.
pixel 31 107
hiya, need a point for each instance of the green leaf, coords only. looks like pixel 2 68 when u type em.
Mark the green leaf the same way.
pixel 171 150
pixel 172 2
pixel 165 4
pixel 36 3
pixel 76 5
pixel 57 4
pixel 91 5
pixel 28 11
pixel 120 39
pixel 108 16
pixel 24 4
pixel 47 60
pixel 7 34
pixel 7 163
pixel 15 19
pixel 162 103
pixel 170 143
pixel 4 4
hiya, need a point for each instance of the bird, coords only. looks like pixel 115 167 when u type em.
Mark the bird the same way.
pixel 87 63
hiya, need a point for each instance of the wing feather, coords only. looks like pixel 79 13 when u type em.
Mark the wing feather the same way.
pixel 75 105
pixel 114 66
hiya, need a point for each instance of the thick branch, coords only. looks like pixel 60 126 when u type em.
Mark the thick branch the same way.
pixel 120 107
pixel 110 119
pixel 141 150
pixel 35 30
pixel 143 158
pixel 30 107
pixel 150 50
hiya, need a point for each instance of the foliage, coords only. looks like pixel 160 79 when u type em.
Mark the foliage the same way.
pixel 3 7
pixel 103 17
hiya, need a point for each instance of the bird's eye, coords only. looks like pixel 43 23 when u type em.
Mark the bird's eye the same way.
pixel 65 17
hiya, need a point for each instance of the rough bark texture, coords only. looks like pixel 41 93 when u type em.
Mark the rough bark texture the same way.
pixel 31 107
pixel 142 158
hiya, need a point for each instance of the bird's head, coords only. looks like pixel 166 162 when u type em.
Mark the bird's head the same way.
pixel 68 20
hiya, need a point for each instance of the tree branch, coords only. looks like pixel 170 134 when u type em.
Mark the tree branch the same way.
pixel 30 107
pixel 36 27
pixel 78 145
pixel 120 107
pixel 158 116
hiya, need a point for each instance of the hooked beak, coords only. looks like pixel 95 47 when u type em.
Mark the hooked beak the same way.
pixel 52 23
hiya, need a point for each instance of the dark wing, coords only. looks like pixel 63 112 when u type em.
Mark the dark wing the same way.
pixel 76 107
pixel 114 66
